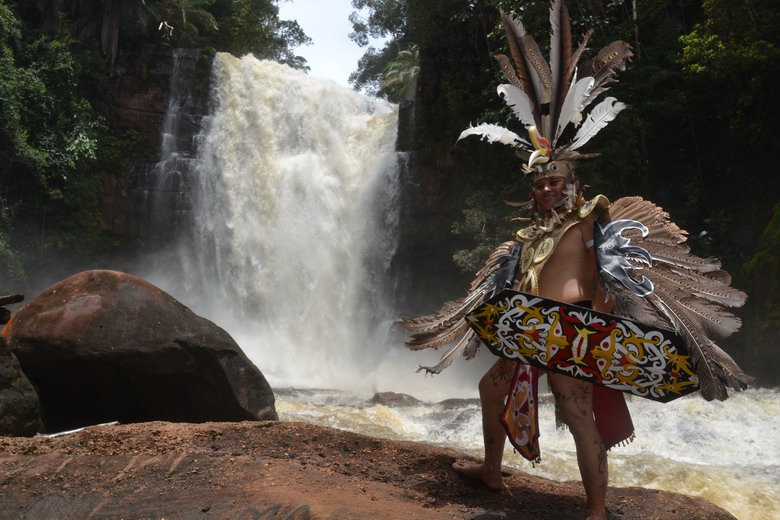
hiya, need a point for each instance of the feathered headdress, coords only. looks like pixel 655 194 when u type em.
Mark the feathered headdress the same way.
pixel 550 98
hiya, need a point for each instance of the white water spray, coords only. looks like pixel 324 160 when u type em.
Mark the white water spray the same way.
pixel 295 223
pixel 722 451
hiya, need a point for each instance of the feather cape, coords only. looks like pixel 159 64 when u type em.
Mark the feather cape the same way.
pixel 448 325
pixel 658 281
pixel 647 271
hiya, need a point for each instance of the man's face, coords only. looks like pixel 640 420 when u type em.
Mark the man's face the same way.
pixel 548 191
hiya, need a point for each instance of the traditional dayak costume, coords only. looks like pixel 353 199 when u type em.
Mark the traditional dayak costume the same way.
pixel 644 266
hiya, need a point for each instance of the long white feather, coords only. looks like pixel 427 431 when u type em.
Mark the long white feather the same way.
pixel 572 105
pixel 519 102
pixel 598 118
pixel 494 134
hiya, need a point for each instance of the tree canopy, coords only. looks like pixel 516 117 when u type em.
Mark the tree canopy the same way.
pixel 57 145
pixel 386 72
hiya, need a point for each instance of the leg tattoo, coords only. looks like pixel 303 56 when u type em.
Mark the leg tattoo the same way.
pixel 503 371
pixel 580 395
pixel 602 468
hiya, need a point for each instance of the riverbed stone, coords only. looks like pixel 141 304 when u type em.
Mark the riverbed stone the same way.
pixel 103 346
pixel 394 399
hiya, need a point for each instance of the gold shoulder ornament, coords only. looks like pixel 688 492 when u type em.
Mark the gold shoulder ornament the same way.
pixel 599 201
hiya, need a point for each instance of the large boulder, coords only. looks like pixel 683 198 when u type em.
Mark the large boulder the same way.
pixel 20 413
pixel 106 346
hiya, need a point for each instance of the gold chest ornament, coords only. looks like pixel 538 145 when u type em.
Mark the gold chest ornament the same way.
pixel 540 240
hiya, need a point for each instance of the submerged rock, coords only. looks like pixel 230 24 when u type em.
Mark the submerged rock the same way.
pixel 394 399
pixel 106 346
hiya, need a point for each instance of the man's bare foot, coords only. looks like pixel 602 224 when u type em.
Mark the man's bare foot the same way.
pixel 491 479
pixel 596 515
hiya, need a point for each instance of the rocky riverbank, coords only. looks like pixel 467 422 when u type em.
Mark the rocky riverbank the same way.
pixel 281 470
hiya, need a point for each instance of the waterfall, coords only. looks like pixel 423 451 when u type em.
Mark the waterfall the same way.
pixel 160 190
pixel 294 223
pixel 290 230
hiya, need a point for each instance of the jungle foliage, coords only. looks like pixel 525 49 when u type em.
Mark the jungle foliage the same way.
pixel 58 62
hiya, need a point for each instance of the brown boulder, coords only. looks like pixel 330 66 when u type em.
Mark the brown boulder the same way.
pixel 19 408
pixel 106 346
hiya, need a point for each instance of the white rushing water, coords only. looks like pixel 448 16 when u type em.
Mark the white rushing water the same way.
pixel 726 452
pixel 296 223
pixel 297 177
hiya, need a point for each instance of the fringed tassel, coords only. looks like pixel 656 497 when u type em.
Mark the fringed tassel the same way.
pixel 537 460
pixel 629 440
pixel 626 442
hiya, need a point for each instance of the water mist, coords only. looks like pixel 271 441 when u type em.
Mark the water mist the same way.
pixel 294 223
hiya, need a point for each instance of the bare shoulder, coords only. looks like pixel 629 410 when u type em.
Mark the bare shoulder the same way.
pixel 586 225
pixel 583 228
pixel 588 220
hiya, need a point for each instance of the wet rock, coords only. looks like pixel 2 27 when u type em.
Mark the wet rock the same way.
pixel 393 399
pixel 458 403
pixel 105 346
pixel 19 407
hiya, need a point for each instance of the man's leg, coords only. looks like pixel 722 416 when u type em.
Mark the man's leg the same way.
pixel 575 402
pixel 493 389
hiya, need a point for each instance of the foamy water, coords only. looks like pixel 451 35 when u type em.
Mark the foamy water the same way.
pixel 724 452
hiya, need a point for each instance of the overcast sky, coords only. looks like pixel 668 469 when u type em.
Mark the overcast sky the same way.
pixel 332 55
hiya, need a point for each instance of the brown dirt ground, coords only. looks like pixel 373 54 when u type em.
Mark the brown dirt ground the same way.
pixel 281 470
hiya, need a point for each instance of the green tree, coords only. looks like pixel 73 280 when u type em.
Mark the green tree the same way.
pixel 368 75
pixel 253 26
pixel 100 23
pixel 762 315
pixel 46 127
pixel 181 21
pixel 48 132
pixel 381 19
pixel 236 26
pixel 730 65
pixel 12 274
pixel 400 76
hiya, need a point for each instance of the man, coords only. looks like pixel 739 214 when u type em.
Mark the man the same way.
pixel 557 260
pixel 570 276
pixel 647 279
